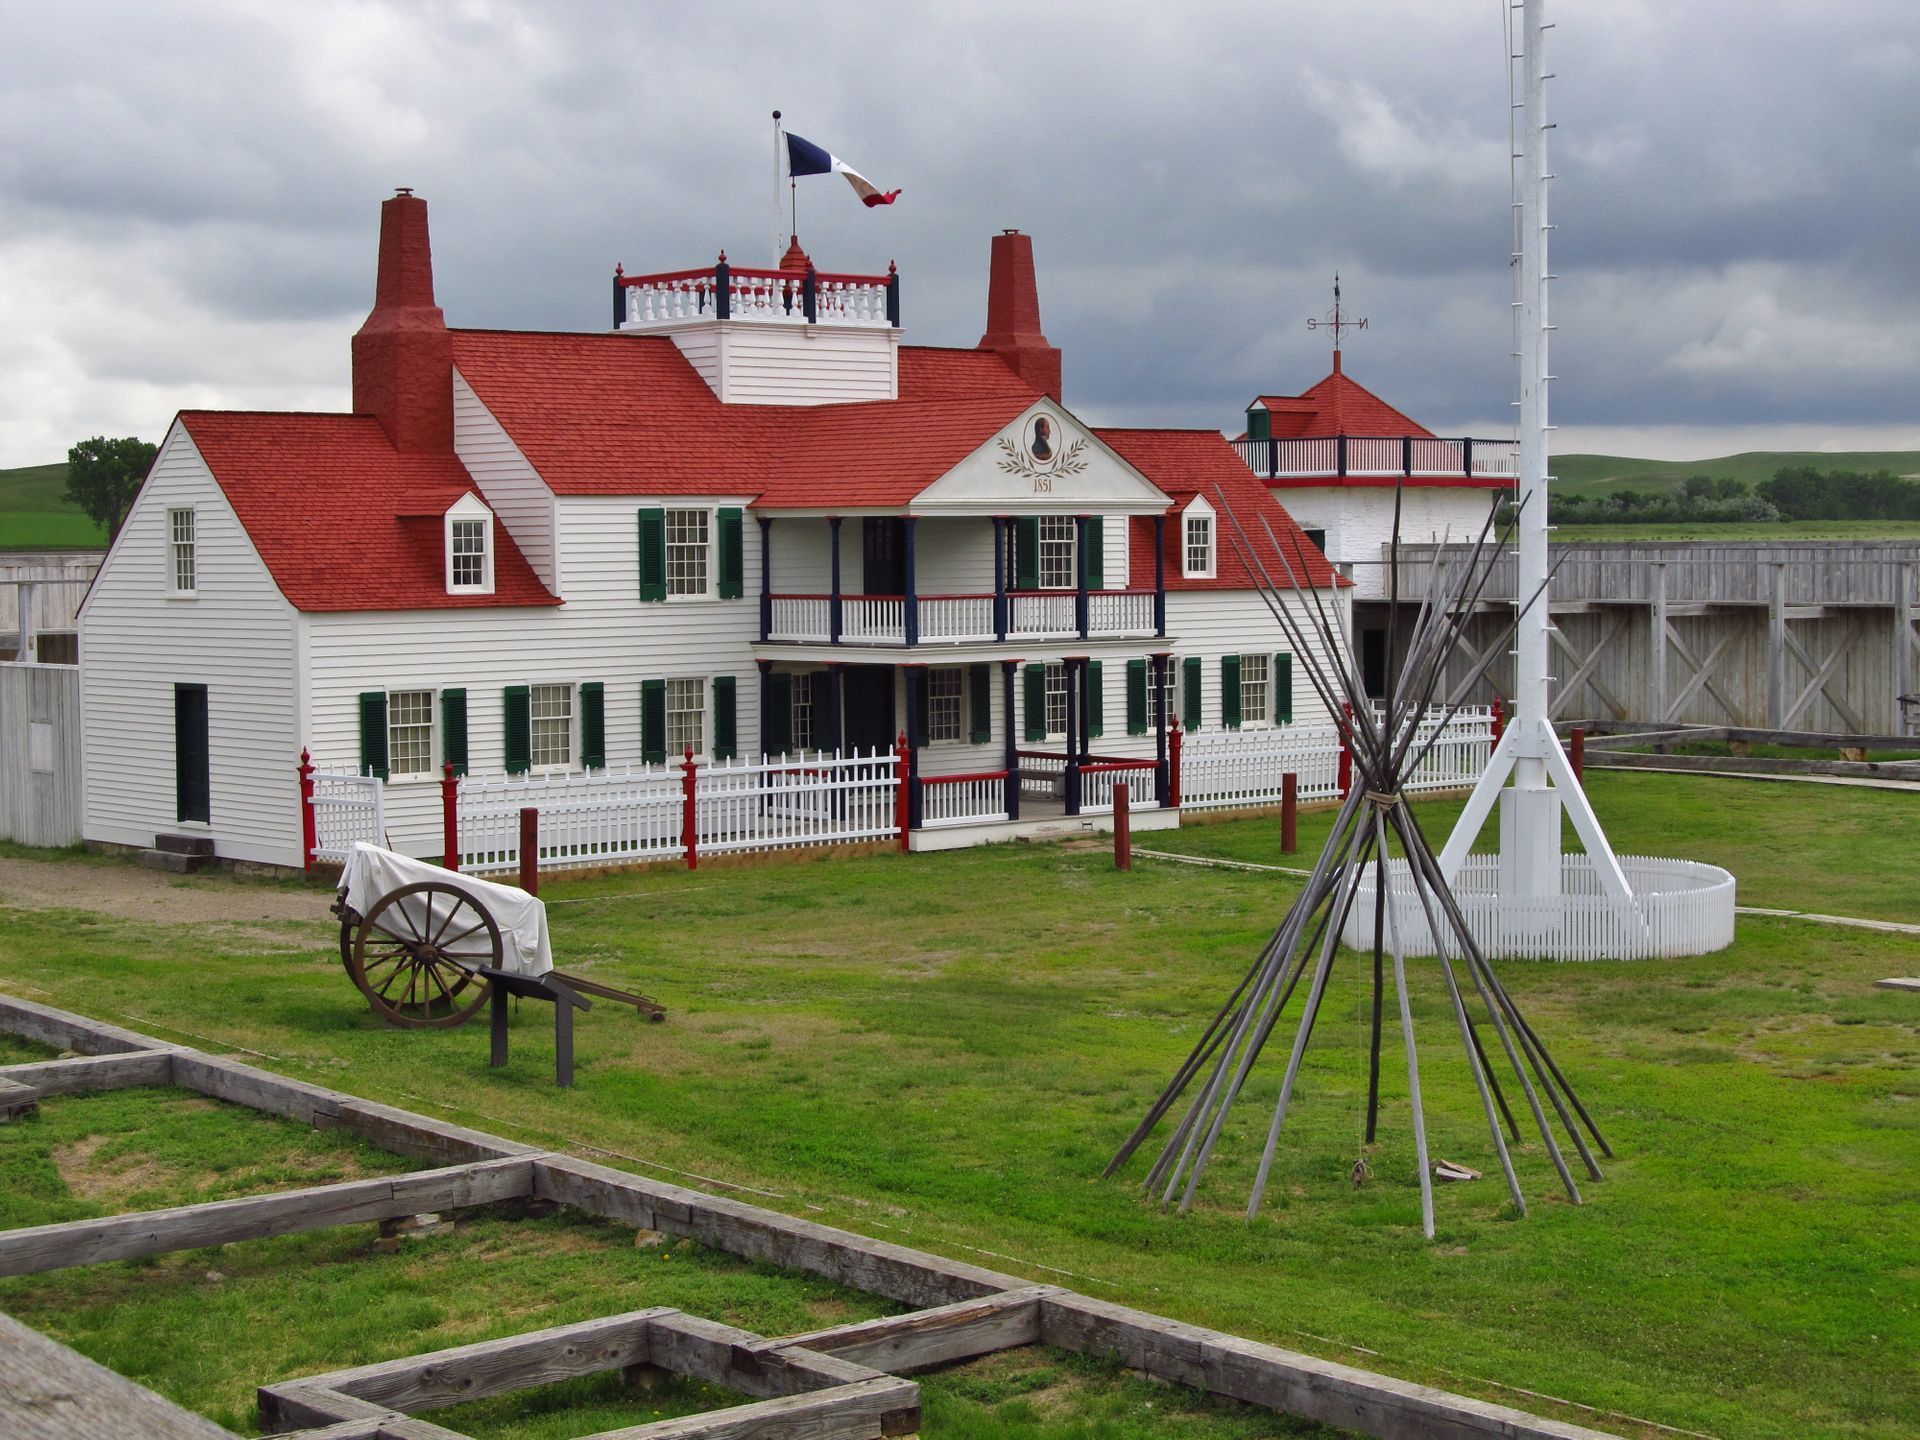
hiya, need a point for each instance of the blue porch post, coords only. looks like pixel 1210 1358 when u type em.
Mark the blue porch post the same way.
pixel 999 577
pixel 1160 576
pixel 765 667
pixel 766 577
pixel 833 605
pixel 1157 703
pixel 1010 738
pixel 1080 574
pixel 1072 746
pixel 827 708
pixel 913 602
pixel 916 798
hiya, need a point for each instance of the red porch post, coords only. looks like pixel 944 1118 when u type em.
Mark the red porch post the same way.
pixel 1578 747
pixel 309 838
pixel 1122 827
pixel 1173 763
pixel 690 809
pixel 1289 813
pixel 449 818
pixel 1346 749
pixel 903 802
pixel 530 849
pixel 1499 720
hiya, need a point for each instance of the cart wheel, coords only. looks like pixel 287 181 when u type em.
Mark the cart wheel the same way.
pixel 412 953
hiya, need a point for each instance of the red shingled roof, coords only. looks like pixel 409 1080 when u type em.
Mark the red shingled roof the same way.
pixel 1186 463
pixel 613 414
pixel 339 516
pixel 1338 405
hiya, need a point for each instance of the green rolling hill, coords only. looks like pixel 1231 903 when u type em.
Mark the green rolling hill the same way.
pixel 1597 475
pixel 35 515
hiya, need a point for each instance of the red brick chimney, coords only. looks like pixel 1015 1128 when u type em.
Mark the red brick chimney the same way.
pixel 403 355
pixel 1013 315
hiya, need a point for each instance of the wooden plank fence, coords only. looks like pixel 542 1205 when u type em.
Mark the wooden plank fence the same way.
pixel 41 797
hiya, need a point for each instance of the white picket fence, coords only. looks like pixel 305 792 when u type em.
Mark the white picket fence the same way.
pixel 346 808
pixel 608 818
pixel 1230 769
pixel 1680 907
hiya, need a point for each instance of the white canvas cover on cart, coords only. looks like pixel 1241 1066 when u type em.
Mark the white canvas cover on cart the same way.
pixel 372 873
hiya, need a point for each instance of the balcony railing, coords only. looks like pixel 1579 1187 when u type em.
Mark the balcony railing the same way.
pixel 1419 457
pixel 960 619
pixel 729 292
pixel 1120 612
pixel 1042 614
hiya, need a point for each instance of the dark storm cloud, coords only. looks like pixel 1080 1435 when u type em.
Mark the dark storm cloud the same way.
pixel 188 192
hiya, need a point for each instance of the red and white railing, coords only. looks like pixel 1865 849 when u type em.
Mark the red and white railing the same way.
pixel 1120 612
pixel 341 808
pixel 1381 456
pixel 1042 614
pixel 1099 778
pixel 956 617
pixel 800 617
pixel 1042 772
pixel 1227 769
pixel 973 799
pixel 731 292
pixel 873 620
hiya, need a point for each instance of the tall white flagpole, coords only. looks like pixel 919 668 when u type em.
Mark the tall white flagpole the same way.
pixel 779 247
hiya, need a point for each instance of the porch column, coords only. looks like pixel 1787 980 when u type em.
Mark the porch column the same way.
pixel 1000 577
pixel 1072 745
pixel 1010 735
pixel 1159 665
pixel 833 604
pixel 906 566
pixel 916 799
pixel 765 667
pixel 1080 574
pixel 826 708
pixel 766 577
pixel 1160 575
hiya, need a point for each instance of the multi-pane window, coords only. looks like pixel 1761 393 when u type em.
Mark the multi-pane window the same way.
pixel 180 568
pixel 687 535
pixel 1166 696
pixel 686 716
pixel 944 707
pixel 1056 700
pixel 552 709
pixel 803 711
pixel 1199 545
pixel 1254 690
pixel 468 555
pixel 1056 553
pixel 410 732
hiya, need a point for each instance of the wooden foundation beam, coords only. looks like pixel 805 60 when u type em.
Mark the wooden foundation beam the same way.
pixel 905 1344
pixel 48 1026
pixel 866 1411
pixel 90 1074
pixel 53 1393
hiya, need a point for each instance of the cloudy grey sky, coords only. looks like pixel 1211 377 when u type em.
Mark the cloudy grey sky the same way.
pixel 189 194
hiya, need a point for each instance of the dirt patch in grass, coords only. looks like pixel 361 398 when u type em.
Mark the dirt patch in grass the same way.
pixel 131 893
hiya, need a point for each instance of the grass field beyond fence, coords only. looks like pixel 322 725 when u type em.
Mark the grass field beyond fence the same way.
pixel 944 1050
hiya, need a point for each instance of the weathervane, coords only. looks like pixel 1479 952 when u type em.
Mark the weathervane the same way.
pixel 1337 321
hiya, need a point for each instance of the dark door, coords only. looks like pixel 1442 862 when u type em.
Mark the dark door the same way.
pixel 192 779
pixel 883 547
pixel 868 721
pixel 1373 662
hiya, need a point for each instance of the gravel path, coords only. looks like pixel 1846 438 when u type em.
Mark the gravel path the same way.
pixel 132 893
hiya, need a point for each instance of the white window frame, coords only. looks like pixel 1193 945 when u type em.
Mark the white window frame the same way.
pixel 431 725
pixel 1261 688
pixel 1199 513
pixel 677 744
pixel 961 734
pixel 704 546
pixel 1057 669
pixel 534 720
pixel 1169 695
pixel 181 551
pixel 465 512
pixel 1065 537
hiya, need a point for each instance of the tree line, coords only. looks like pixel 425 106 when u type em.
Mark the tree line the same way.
pixel 1795 492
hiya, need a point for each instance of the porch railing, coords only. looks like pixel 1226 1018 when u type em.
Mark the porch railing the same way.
pixel 956 617
pixel 1380 456
pixel 1120 612
pixel 1042 614
pixel 973 799
pixel 800 617
pixel 731 292
pixel 1099 778
pixel 873 619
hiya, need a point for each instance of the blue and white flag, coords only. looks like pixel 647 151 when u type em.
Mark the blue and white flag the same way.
pixel 806 158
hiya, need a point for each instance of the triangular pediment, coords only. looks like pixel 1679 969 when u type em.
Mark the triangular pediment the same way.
pixel 1046 460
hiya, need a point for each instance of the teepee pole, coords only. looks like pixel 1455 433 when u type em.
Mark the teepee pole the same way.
pixel 1406 1035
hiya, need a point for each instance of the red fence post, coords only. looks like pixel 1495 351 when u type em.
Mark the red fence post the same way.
pixel 1122 827
pixel 449 818
pixel 1499 720
pixel 690 809
pixel 1173 765
pixel 902 798
pixel 309 837
pixel 530 849
pixel 1289 813
pixel 1346 750
pixel 1579 755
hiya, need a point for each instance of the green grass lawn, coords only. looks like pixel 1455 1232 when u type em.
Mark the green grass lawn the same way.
pixel 1592 475
pixel 945 1050
pixel 36 515
pixel 1778 530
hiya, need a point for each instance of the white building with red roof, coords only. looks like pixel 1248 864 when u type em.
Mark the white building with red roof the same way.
pixel 746 519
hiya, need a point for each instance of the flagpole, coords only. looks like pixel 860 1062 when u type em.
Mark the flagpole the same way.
pixel 778 249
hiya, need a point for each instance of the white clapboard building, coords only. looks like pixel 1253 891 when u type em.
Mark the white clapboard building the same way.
pixel 745 520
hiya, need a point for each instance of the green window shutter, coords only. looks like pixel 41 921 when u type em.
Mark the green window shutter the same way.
pixel 922 702
pixel 593 725
pixel 1036 697
pixel 1283 689
pixel 653 722
pixel 453 729
pixel 779 716
pixel 519 729
pixel 653 554
pixel 726 726
pixel 1026 554
pixel 1096 553
pixel 1230 692
pixel 1190 711
pixel 732 565
pixel 1137 697
pixel 1096 701
pixel 1259 423
pixel 373 733
pixel 980 703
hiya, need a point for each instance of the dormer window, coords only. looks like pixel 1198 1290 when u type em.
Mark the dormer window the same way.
pixel 469 546
pixel 1197 537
